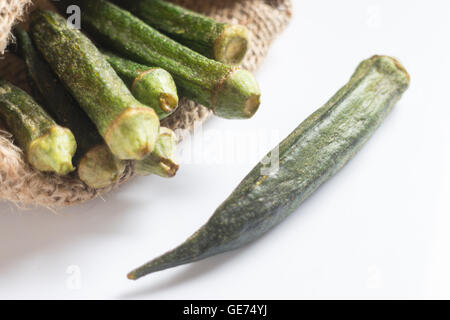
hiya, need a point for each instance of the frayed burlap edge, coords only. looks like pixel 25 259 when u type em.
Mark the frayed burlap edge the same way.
pixel 10 12
pixel 24 186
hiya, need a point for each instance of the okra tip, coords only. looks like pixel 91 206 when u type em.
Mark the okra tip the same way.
pixel 133 135
pixel 99 168
pixel 202 244
pixel 143 271
pixel 53 152
pixel 191 250
pixel 232 44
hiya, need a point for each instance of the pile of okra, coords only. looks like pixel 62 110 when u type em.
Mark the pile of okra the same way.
pixel 98 105
pixel 99 92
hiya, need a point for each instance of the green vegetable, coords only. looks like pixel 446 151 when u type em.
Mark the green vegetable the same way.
pixel 99 168
pixel 230 92
pixel 153 87
pixel 314 152
pixel 162 161
pixel 221 41
pixel 129 128
pixel 96 166
pixel 47 146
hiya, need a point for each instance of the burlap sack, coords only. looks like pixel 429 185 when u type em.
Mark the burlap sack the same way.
pixel 24 186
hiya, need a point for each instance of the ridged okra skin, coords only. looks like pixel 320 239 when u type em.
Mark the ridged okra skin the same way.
pixel 153 87
pixel 48 147
pixel 129 128
pixel 96 166
pixel 310 155
pixel 230 92
pixel 220 41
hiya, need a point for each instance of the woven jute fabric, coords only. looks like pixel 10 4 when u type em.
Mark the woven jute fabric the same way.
pixel 21 184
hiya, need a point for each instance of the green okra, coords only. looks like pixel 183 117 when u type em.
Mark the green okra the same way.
pixel 47 146
pixel 129 128
pixel 153 87
pixel 99 168
pixel 315 151
pixel 96 166
pixel 230 92
pixel 223 42
pixel 162 161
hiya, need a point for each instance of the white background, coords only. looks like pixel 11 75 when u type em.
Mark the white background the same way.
pixel 379 229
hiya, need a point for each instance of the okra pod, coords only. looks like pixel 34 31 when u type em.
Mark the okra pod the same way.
pixel 223 42
pixel 153 87
pixel 96 166
pixel 230 92
pixel 162 161
pixel 47 146
pixel 99 168
pixel 310 155
pixel 129 128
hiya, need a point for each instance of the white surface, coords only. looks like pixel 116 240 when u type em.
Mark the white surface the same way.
pixel 379 229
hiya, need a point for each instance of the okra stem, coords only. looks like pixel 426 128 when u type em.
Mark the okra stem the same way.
pixel 47 146
pixel 162 161
pixel 153 87
pixel 99 168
